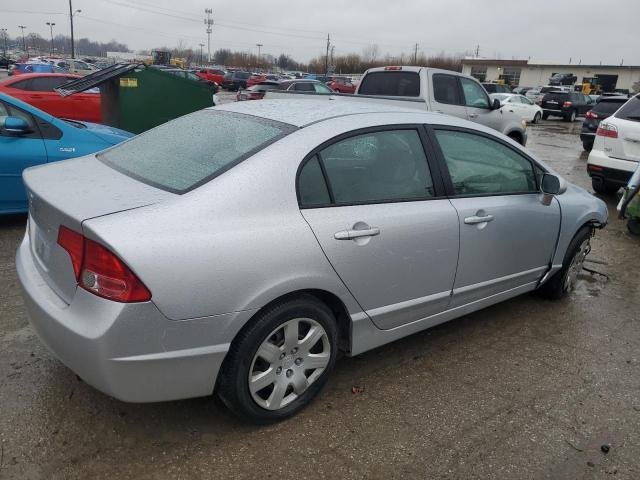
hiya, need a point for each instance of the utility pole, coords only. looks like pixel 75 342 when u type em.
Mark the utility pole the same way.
pixel 71 15
pixel 477 50
pixel 24 42
pixel 208 22
pixel 259 45
pixel 4 37
pixel 51 25
pixel 201 57
pixel 415 55
pixel 326 59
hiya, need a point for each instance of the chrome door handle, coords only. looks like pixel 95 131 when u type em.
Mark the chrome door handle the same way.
pixel 473 115
pixel 351 234
pixel 473 220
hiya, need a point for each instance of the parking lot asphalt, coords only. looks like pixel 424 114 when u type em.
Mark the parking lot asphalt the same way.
pixel 525 389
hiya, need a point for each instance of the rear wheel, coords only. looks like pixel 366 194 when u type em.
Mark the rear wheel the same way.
pixel 545 116
pixel 587 145
pixel 603 187
pixel 564 280
pixel 570 117
pixel 633 225
pixel 280 362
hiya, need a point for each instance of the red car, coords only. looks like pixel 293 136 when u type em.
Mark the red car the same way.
pixel 212 74
pixel 37 89
pixel 342 85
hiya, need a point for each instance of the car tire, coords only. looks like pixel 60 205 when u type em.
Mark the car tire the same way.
pixel 273 402
pixel 633 225
pixel 536 117
pixel 570 117
pixel 563 281
pixel 587 145
pixel 545 116
pixel 604 188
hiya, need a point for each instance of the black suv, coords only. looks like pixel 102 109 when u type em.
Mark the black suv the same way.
pixel 604 108
pixel 567 105
pixel 235 80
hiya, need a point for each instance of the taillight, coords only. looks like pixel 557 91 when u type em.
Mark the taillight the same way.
pixel 567 104
pixel 393 68
pixel 607 130
pixel 590 114
pixel 99 271
pixel 73 243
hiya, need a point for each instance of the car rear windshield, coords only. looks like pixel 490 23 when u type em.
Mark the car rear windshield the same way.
pixel 557 96
pixel 185 153
pixel 548 89
pixel 391 83
pixel 630 110
pixel 608 106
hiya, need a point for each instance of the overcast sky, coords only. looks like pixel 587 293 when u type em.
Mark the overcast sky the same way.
pixel 550 30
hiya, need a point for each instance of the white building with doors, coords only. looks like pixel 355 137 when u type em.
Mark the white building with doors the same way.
pixel 526 73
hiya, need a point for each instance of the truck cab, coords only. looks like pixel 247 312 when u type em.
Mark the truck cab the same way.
pixel 443 91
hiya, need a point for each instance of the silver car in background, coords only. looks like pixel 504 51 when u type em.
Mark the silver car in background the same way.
pixel 239 248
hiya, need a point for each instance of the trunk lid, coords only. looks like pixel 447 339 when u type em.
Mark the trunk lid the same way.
pixel 68 193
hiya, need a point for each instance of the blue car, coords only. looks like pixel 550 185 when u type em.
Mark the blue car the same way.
pixel 36 68
pixel 29 137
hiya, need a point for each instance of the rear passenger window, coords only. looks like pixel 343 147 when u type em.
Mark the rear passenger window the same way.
pixel 21 85
pixel 312 188
pixel 378 167
pixel 445 89
pixel 304 87
pixel 481 166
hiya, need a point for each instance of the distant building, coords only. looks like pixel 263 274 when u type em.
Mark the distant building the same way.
pixel 527 73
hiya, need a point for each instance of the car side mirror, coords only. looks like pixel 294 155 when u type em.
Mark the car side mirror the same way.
pixel 16 125
pixel 550 186
pixel 495 105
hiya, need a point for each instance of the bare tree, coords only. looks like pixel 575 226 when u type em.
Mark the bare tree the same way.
pixel 370 53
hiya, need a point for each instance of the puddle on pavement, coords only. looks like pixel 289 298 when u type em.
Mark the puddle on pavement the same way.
pixel 590 284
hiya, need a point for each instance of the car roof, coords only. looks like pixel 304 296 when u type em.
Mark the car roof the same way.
pixel 303 112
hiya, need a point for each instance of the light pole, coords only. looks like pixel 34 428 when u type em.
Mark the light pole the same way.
pixel 208 22
pixel 201 58
pixel 71 15
pixel 4 37
pixel 24 42
pixel 51 25
pixel 259 45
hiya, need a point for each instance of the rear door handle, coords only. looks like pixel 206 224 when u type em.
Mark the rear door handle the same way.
pixel 351 234
pixel 475 219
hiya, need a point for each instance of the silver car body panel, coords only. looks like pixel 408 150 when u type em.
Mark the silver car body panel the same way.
pixel 214 256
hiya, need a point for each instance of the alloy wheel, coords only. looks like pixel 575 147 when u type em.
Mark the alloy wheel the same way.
pixel 575 267
pixel 287 362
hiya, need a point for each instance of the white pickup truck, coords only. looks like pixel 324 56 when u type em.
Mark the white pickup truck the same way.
pixel 434 90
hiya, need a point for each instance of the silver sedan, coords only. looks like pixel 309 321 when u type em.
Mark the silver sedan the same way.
pixel 239 248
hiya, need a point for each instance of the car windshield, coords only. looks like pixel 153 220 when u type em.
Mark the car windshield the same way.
pixel 185 153
pixel 630 110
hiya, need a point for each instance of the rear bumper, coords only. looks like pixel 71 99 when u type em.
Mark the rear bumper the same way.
pixel 612 170
pixel 129 351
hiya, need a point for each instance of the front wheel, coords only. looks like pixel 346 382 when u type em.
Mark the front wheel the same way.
pixel 536 117
pixel 281 361
pixel 564 280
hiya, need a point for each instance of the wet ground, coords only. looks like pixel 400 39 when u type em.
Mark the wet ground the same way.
pixel 525 389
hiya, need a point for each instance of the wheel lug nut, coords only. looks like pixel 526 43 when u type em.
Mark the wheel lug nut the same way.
pixel 282 355
pixel 298 361
pixel 289 373
pixel 294 349
pixel 278 370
